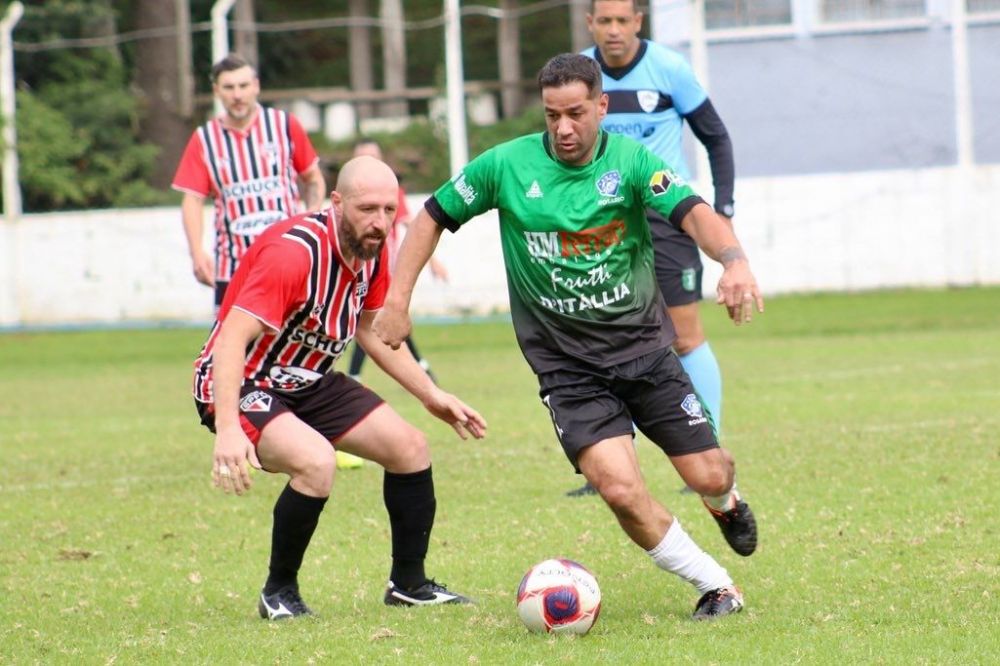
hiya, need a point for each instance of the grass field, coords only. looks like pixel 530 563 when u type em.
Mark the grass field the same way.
pixel 864 426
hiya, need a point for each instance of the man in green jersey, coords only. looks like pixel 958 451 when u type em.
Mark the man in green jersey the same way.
pixel 589 317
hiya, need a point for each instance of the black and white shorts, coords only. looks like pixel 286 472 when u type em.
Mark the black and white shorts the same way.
pixel 332 405
pixel 590 404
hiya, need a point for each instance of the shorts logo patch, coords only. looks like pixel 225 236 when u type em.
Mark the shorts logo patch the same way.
pixel 688 276
pixel 659 183
pixel 257 401
pixel 692 407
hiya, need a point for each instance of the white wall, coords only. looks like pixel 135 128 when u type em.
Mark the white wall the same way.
pixel 931 227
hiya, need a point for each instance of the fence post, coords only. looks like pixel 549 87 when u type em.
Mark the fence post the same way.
pixel 458 139
pixel 220 36
pixel 963 85
pixel 11 187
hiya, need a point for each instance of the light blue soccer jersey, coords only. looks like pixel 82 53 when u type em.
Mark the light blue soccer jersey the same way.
pixel 648 98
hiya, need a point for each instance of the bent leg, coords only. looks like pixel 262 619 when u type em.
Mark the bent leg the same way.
pixel 407 488
pixel 612 468
pixel 290 446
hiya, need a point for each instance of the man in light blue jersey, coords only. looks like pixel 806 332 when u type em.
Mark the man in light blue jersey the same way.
pixel 651 93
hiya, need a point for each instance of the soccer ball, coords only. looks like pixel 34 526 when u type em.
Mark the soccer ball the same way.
pixel 559 596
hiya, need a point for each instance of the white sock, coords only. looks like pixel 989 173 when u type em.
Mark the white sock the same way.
pixel 723 502
pixel 679 554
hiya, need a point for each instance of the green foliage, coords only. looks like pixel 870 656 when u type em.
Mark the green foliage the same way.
pixel 863 426
pixel 48 150
pixel 419 153
pixel 78 121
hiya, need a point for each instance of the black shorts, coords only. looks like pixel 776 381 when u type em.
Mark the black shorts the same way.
pixel 589 404
pixel 677 262
pixel 331 406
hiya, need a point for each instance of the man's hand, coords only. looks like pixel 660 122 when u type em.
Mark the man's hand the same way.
pixel 464 419
pixel 233 450
pixel 392 325
pixel 203 268
pixel 738 291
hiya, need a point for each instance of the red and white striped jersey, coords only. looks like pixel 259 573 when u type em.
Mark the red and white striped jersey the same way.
pixel 251 173
pixel 295 280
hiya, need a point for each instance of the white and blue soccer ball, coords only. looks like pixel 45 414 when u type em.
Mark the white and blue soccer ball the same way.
pixel 559 596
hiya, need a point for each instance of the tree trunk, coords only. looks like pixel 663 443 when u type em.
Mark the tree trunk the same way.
pixel 580 36
pixel 509 54
pixel 157 75
pixel 244 31
pixel 394 56
pixel 360 49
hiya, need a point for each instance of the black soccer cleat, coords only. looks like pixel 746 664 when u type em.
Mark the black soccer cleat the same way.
pixel 283 604
pixel 430 593
pixel 719 603
pixel 582 491
pixel 738 526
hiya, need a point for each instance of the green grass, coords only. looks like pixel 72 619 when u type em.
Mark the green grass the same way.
pixel 864 428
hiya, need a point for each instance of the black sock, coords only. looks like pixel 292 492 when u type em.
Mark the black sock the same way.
pixel 412 346
pixel 295 519
pixel 409 499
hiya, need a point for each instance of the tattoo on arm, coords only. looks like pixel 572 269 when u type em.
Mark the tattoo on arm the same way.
pixel 729 254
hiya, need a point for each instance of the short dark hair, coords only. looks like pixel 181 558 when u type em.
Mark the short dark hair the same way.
pixel 635 6
pixel 567 68
pixel 230 63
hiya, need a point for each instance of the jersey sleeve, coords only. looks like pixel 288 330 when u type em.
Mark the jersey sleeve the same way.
pixel 303 154
pixel 379 286
pixel 663 189
pixel 276 283
pixel 192 173
pixel 685 90
pixel 470 193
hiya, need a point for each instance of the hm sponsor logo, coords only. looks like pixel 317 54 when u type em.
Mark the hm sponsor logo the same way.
pixel 566 244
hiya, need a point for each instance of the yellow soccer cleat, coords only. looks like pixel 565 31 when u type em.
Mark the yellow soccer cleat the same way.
pixel 347 460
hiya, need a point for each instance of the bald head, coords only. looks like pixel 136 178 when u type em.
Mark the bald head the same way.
pixel 365 173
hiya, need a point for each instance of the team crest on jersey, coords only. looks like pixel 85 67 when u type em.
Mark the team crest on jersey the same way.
pixel 608 183
pixel 270 150
pixel 257 401
pixel 648 99
pixel 361 290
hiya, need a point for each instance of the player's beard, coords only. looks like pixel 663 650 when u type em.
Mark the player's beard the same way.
pixel 356 244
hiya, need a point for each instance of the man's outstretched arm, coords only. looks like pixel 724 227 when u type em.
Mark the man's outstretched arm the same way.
pixel 392 323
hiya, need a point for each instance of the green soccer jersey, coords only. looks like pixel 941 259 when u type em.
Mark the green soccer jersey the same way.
pixel 576 244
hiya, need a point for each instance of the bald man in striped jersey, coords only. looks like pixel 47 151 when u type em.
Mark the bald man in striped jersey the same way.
pixel 250 160
pixel 264 384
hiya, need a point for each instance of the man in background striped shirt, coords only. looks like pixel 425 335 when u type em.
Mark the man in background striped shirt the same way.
pixel 248 159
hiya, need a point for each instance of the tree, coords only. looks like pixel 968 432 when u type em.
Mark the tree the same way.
pixel 393 55
pixel 159 76
pixel 360 46
pixel 78 140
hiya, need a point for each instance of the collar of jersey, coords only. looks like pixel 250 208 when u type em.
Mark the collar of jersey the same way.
pixel 618 73
pixel 602 144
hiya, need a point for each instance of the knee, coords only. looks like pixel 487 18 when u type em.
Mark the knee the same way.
pixel 314 475
pixel 410 452
pixel 688 340
pixel 715 479
pixel 624 498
